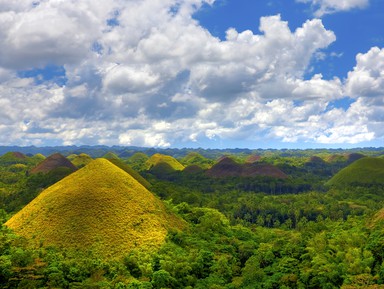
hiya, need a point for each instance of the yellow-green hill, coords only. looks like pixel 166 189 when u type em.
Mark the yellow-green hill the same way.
pixel 80 160
pixel 163 161
pixel 99 207
pixel 365 171
pixel 119 163
pixel 194 158
pixel 137 161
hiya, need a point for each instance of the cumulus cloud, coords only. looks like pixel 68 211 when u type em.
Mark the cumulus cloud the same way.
pixel 146 73
pixel 332 6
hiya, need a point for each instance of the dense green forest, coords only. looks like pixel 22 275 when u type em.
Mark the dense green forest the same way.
pixel 249 219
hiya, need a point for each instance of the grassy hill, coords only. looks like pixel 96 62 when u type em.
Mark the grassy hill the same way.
pixel 163 161
pixel 195 158
pixel 137 161
pixel 365 171
pixel 100 208
pixel 13 158
pixel 119 163
pixel 80 160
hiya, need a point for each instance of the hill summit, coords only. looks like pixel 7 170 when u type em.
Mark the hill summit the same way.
pixel 53 162
pixel 99 207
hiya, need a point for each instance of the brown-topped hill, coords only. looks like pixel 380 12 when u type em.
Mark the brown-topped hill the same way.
pixel 253 159
pixel 227 167
pixel 53 162
pixel 19 155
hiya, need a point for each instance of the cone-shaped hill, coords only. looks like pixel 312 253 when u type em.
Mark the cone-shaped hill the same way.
pixel 119 163
pixel 159 162
pixel 137 161
pixel 80 160
pixel 227 167
pixel 365 171
pixel 253 159
pixel 13 158
pixel 99 207
pixel 194 158
pixel 53 162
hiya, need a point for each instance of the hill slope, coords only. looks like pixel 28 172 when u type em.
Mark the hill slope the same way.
pixel 228 167
pixel 99 207
pixel 365 171
pixel 163 160
pixel 53 162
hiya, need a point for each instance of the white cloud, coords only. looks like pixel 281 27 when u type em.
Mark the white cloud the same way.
pixel 155 77
pixel 367 77
pixel 333 6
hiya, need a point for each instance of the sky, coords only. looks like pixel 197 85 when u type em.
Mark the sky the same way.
pixel 192 73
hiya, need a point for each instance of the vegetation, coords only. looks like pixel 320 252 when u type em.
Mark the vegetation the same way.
pixel 99 227
pixel 364 172
pixel 99 207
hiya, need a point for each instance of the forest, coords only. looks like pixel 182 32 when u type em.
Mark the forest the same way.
pixel 183 218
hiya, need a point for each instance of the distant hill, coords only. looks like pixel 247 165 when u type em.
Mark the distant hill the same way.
pixel 13 158
pixel 80 160
pixel 53 162
pixel 100 208
pixel 228 167
pixel 110 155
pixel 137 161
pixel 253 159
pixel 194 158
pixel 164 162
pixel 364 171
pixel 354 157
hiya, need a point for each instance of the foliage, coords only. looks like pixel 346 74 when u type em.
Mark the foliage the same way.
pixel 233 232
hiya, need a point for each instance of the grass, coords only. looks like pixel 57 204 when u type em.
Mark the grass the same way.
pixel 80 160
pixel 365 171
pixel 194 158
pixel 99 207
pixel 161 160
pixel 132 172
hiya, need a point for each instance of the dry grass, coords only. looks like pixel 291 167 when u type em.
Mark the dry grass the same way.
pixel 99 207
pixel 158 159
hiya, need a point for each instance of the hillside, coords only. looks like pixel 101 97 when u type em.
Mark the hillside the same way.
pixel 80 160
pixel 99 207
pixel 13 158
pixel 53 162
pixel 194 158
pixel 164 161
pixel 365 171
pixel 228 167
pixel 132 172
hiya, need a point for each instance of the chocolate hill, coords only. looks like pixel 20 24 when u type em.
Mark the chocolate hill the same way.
pixel 13 158
pixel 100 208
pixel 227 167
pixel 80 160
pixel 159 162
pixel 253 159
pixel 53 162
pixel 194 158
pixel 365 171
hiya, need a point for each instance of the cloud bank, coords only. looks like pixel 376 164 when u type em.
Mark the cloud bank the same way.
pixel 332 6
pixel 146 73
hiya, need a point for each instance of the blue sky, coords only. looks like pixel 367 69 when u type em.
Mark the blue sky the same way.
pixel 192 73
